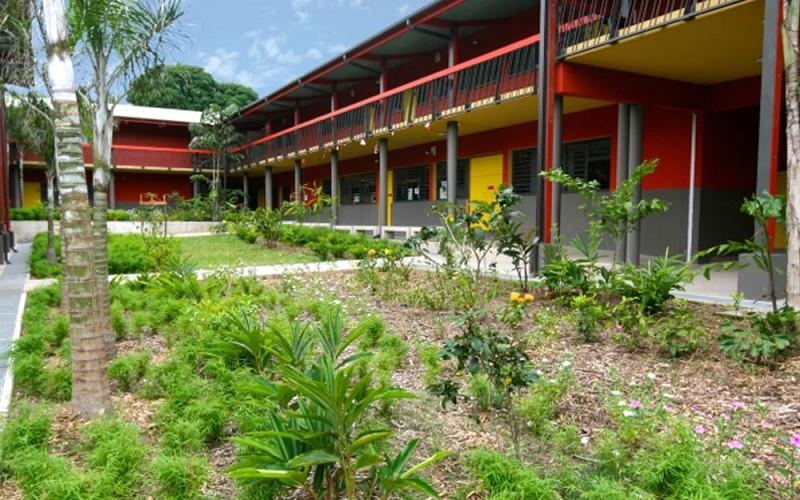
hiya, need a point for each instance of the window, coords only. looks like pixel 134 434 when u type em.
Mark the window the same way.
pixel 358 189
pixel 461 180
pixel 327 188
pixel 411 184
pixel 589 160
pixel 523 171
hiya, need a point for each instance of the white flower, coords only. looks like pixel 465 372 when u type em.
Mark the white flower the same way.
pixel 585 440
pixel 668 395
pixel 545 360
pixel 616 393
pixel 629 413
pixel 615 453
pixel 552 381
pixel 566 364
pixel 538 372
pixel 622 403
pixel 651 376
pixel 632 383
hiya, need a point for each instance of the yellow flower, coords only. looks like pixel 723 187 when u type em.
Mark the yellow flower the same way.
pixel 450 218
pixel 507 380
pixel 224 222
pixel 371 252
pixel 515 297
pixel 387 251
pixel 529 297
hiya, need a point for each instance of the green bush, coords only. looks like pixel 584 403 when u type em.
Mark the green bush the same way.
pixel 39 265
pixel 129 369
pixel 28 427
pixel 57 383
pixel 115 449
pixel 118 215
pixel 39 212
pixel 506 478
pixel 179 476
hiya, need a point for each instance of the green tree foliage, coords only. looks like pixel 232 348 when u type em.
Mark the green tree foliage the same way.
pixel 186 87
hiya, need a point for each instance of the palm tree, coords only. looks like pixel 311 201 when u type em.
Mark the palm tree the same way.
pixel 90 391
pixel 118 40
pixel 791 53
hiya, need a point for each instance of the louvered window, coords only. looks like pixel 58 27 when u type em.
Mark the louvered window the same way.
pixel 461 179
pixel 326 187
pixel 523 171
pixel 358 189
pixel 589 160
pixel 411 184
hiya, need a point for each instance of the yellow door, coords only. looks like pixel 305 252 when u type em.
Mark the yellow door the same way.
pixel 485 176
pixel 389 196
pixel 32 195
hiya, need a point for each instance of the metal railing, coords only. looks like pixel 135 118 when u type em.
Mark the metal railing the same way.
pixel 587 24
pixel 501 75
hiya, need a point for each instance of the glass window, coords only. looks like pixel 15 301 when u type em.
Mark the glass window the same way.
pixel 462 192
pixel 589 160
pixel 358 189
pixel 523 171
pixel 411 184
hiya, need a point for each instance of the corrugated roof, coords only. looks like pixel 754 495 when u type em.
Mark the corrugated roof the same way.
pixel 131 112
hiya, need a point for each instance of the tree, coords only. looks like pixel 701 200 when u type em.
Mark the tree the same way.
pixel 118 39
pixel 214 134
pixel 91 395
pixel 30 122
pixel 186 87
pixel 791 52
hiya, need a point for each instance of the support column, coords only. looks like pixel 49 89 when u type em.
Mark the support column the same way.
pixel 771 98
pixel 298 181
pixel 623 140
pixel 547 54
pixel 14 184
pixel 268 188
pixel 383 180
pixel 452 161
pixel 196 189
pixel 635 157
pixel 335 187
pixel 112 189
pixel 555 202
pixel 246 188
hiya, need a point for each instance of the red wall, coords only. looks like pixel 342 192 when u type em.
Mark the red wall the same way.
pixel 730 149
pixel 129 185
pixel 149 134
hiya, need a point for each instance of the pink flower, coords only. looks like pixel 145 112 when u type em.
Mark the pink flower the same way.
pixel 669 408
pixel 700 429
pixel 735 445
pixel 795 440
pixel 766 425
pixel 636 404
pixel 737 404
pixel 726 416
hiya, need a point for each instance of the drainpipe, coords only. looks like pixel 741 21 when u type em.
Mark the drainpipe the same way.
pixel 383 180
pixel 692 176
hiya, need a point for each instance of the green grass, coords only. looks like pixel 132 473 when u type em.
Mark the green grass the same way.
pixel 227 250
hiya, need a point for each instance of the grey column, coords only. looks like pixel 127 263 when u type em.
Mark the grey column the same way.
pixel 268 188
pixel 335 186
pixel 635 154
pixel 14 182
pixel 112 189
pixel 246 188
pixel 452 160
pixel 298 180
pixel 383 180
pixel 623 140
pixel 767 119
pixel 555 205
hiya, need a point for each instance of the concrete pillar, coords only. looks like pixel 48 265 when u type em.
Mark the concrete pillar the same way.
pixel 16 187
pixel 452 160
pixel 555 203
pixel 623 139
pixel 246 188
pixel 298 180
pixel 112 189
pixel 383 181
pixel 335 186
pixel 771 98
pixel 635 157
pixel 268 188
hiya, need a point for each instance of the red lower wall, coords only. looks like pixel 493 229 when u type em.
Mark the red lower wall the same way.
pixel 129 185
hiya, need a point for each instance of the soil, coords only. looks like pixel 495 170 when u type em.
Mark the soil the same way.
pixel 701 386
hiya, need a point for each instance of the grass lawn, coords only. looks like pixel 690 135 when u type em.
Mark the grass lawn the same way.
pixel 227 250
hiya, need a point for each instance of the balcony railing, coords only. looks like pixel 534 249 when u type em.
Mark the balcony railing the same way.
pixel 501 75
pixel 592 23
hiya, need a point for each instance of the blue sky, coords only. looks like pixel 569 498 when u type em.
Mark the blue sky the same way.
pixel 265 44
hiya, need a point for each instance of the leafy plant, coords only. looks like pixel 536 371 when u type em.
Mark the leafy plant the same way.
pixel 652 285
pixel 768 336
pixel 588 315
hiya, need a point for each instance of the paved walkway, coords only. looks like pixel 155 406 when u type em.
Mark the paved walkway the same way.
pixel 12 302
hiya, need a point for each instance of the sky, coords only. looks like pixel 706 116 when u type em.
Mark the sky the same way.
pixel 265 44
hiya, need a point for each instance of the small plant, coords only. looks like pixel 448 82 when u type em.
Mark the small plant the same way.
pixel 767 337
pixel 129 369
pixel 179 476
pixel 679 332
pixel 512 313
pixel 632 324
pixel 588 316
pixel 651 286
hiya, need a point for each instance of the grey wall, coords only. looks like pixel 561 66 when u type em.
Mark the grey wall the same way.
pixel 721 217
pixel 358 215
pixel 413 213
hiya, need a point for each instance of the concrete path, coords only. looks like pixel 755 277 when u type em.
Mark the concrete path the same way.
pixel 12 302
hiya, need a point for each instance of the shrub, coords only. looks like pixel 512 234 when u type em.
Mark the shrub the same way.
pixel 179 476
pixel 115 448
pixel 127 370
pixel 40 267
pixel 505 478
pixel 28 427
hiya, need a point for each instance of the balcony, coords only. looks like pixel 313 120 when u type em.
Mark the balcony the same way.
pixel 496 77
pixel 594 23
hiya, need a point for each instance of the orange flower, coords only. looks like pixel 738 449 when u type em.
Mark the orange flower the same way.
pixel 515 297
pixel 529 297
pixel 371 252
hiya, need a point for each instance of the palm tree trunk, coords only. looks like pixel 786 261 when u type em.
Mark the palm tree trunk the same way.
pixel 91 396
pixel 791 52
pixel 101 149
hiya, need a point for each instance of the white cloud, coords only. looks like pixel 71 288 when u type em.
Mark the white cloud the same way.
pixel 313 53
pixel 221 64
pixel 337 48
pixel 271 48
